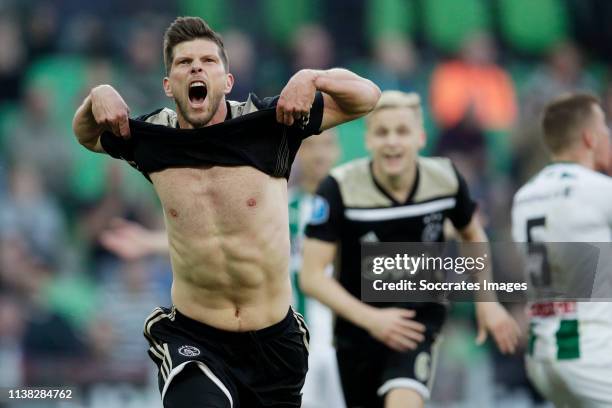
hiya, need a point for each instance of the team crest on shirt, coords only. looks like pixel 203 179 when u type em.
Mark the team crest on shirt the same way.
pixel 189 351
pixel 433 227
pixel 320 211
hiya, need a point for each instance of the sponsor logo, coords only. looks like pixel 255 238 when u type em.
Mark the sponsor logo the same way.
pixel 320 211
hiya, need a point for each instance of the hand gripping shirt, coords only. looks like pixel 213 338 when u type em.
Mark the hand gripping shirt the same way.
pixel 249 136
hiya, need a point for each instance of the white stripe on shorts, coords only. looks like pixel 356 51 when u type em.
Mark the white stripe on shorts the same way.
pixel 206 372
pixel 302 326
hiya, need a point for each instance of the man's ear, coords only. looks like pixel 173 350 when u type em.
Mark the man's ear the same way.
pixel 229 83
pixel 422 139
pixel 588 138
pixel 166 85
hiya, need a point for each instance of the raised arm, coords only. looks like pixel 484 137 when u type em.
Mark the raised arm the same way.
pixel 347 96
pixel 103 109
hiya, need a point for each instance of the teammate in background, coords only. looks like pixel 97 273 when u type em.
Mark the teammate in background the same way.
pixel 231 337
pixel 315 158
pixel 568 357
pixel 386 355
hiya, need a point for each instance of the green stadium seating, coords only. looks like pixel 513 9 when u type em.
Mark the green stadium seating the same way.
pixel 533 26
pixel 446 23
pixel 351 137
pixel 386 17
pixel 215 12
pixel 283 17
pixel 64 76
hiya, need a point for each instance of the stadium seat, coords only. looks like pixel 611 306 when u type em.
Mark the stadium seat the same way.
pixel 351 140
pixel 446 23
pixel 213 11
pixel 64 76
pixel 533 26
pixel 282 17
pixel 390 17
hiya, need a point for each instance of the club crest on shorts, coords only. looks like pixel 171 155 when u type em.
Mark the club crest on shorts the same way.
pixel 189 351
pixel 422 366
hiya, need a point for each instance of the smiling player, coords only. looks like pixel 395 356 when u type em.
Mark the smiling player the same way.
pixel 386 355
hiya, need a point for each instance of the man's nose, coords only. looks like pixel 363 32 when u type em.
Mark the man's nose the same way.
pixel 196 67
pixel 392 139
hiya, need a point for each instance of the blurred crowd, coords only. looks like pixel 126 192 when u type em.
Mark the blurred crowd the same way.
pixel 71 312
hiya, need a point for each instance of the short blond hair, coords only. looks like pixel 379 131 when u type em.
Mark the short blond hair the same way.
pixel 398 99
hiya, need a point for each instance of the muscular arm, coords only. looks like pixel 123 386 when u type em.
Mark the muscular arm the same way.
pixel 85 127
pixel 347 96
pixel 103 109
pixel 391 326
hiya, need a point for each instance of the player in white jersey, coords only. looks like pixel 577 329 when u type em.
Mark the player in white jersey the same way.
pixel 569 358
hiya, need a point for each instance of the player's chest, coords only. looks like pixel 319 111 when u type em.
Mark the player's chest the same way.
pixel 217 188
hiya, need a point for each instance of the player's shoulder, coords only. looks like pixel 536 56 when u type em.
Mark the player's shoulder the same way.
pixel 585 182
pixel 352 171
pixel 596 178
pixel 437 178
pixel 252 104
pixel 595 187
pixel 536 187
pixel 162 116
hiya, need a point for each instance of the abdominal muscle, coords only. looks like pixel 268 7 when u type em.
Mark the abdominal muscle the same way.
pixel 229 244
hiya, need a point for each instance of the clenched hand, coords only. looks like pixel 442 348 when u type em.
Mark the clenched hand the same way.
pixel 110 110
pixel 296 99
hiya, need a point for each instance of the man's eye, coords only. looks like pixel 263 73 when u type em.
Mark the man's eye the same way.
pixel 403 131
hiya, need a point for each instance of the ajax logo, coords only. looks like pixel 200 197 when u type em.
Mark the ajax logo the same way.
pixel 189 351
pixel 422 366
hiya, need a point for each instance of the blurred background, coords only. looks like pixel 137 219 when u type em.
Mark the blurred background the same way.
pixel 71 313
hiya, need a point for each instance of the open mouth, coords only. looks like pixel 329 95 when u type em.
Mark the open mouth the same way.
pixel 395 156
pixel 197 93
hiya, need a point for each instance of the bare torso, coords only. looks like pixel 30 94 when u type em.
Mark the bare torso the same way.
pixel 229 244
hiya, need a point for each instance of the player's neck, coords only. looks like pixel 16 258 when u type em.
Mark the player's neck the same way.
pixel 582 158
pixel 398 186
pixel 219 116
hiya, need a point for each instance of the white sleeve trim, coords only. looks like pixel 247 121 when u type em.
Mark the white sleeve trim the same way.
pixel 410 383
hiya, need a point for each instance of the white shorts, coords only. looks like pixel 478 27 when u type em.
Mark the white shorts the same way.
pixel 572 383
